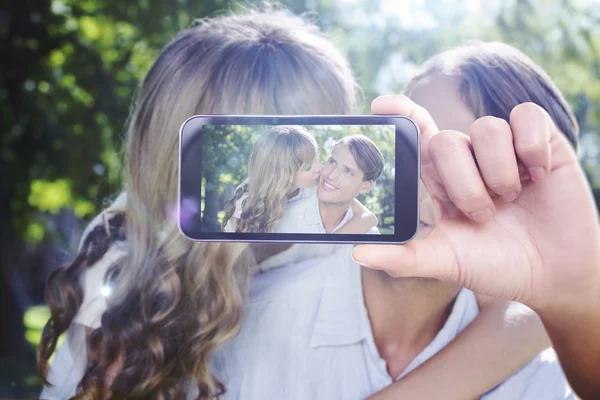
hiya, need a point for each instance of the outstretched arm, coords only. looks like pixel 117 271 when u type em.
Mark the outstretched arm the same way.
pixel 362 221
pixel 501 339
pixel 555 233
pixel 574 330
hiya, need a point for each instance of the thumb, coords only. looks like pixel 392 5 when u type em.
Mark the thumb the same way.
pixel 432 257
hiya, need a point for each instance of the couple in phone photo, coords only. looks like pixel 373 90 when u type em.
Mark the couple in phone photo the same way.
pixel 289 191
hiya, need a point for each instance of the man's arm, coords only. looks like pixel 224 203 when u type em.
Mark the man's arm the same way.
pixel 503 338
pixel 542 378
pixel 575 334
pixel 541 249
pixel 363 220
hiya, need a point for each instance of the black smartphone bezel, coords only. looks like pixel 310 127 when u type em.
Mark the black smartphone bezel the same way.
pixel 406 218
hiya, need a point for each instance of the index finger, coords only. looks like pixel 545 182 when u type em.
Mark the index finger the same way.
pixel 402 105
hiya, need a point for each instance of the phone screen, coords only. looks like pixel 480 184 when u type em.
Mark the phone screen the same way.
pixel 299 179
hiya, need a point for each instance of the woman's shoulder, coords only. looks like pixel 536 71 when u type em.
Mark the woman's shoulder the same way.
pixel 95 292
pixel 238 206
pixel 68 366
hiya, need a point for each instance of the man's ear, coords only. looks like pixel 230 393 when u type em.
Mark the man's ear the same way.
pixel 366 186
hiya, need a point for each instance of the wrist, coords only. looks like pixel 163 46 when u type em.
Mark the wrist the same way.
pixel 578 291
pixel 573 328
pixel 579 305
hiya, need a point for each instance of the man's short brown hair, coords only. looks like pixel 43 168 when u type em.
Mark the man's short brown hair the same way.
pixel 366 154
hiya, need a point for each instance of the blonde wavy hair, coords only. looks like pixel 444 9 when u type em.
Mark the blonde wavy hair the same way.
pixel 175 300
pixel 276 156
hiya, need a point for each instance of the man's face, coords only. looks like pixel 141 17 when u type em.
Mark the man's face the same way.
pixel 341 178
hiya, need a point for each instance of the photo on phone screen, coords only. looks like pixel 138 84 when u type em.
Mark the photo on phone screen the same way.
pixel 302 179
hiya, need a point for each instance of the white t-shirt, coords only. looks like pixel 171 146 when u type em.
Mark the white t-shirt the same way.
pixel 303 216
pixel 306 335
pixel 70 360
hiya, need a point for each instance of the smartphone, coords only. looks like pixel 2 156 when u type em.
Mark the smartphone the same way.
pixel 311 179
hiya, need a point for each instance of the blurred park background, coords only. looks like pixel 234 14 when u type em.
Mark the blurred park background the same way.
pixel 69 70
pixel 226 151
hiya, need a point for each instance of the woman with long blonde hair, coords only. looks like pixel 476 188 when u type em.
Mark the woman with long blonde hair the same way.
pixel 142 307
pixel 283 167
pixel 172 300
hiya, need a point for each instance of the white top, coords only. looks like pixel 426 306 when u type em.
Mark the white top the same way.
pixel 305 335
pixel 70 359
pixel 303 216
pixel 231 224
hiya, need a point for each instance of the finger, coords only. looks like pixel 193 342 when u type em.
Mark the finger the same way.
pixel 531 128
pixel 428 258
pixel 402 105
pixel 455 165
pixel 494 151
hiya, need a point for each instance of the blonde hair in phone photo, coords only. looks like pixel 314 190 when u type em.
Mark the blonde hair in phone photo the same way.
pixel 174 300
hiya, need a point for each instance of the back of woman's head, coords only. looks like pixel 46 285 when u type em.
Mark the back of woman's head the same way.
pixel 245 64
pixel 496 77
pixel 175 300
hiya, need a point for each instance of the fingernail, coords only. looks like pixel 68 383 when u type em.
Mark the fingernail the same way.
pixel 482 216
pixel 509 196
pixel 537 173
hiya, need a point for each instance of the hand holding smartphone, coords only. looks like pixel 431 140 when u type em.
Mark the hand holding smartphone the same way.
pixel 312 179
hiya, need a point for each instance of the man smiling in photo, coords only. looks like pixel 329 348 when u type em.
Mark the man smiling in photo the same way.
pixel 351 170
